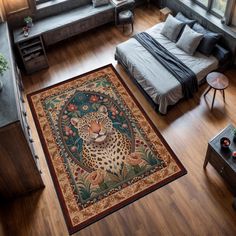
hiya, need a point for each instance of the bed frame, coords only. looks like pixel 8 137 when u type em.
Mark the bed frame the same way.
pixel 221 68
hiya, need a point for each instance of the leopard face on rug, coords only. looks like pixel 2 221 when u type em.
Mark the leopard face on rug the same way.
pixel 104 147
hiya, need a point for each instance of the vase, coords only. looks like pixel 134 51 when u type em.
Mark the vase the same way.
pixel 29 24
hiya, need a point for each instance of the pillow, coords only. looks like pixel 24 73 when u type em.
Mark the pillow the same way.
pixel 185 20
pixel 189 40
pixel 209 40
pixel 222 54
pixel 172 28
pixel 98 3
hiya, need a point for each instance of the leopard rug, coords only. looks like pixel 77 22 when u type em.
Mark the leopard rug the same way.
pixel 102 150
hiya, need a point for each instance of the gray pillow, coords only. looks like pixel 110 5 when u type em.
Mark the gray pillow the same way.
pixel 172 28
pixel 189 40
pixel 98 3
pixel 185 19
pixel 209 40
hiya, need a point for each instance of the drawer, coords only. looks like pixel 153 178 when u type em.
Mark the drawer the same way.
pixel 56 35
pixel 36 64
pixel 216 161
pixel 104 18
pixel 38 61
pixel 79 27
pixel 224 170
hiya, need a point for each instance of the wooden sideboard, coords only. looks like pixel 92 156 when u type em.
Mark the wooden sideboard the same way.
pixel 222 160
pixel 19 169
pixel 56 28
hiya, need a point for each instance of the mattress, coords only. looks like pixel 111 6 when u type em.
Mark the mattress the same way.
pixel 163 88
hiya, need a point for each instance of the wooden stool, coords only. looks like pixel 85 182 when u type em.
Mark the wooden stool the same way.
pixel 164 12
pixel 217 81
pixel 126 17
pixel 124 13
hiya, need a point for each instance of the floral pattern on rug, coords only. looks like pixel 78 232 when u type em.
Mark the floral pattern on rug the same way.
pixel 102 149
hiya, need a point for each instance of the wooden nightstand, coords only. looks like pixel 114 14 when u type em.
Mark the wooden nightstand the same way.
pixel 164 12
pixel 216 81
pixel 222 160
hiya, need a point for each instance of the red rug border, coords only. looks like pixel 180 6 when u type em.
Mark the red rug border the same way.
pixel 72 229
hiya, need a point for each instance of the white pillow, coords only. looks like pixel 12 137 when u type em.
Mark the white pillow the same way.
pixel 172 28
pixel 189 40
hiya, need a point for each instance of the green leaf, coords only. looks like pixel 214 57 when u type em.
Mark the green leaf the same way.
pixel 137 169
pixel 103 186
pixel 114 177
pixel 85 194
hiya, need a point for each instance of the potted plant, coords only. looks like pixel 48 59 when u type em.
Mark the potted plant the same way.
pixel 29 21
pixel 3 68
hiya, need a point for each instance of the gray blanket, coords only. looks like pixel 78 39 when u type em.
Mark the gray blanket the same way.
pixel 177 68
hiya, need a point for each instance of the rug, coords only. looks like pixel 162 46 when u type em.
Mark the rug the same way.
pixel 102 150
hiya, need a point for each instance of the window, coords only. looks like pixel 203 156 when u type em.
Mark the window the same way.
pixel 219 6
pixel 216 7
pixel 204 2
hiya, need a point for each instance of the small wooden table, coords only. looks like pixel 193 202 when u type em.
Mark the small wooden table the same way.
pixel 164 12
pixel 222 160
pixel 217 81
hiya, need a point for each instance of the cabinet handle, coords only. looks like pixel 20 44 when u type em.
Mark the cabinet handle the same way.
pixel 24 113
pixel 36 157
pixel 222 170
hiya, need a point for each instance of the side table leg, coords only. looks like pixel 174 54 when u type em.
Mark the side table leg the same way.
pixel 213 99
pixel 223 95
pixel 207 91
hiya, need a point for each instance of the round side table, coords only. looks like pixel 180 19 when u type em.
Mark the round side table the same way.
pixel 216 81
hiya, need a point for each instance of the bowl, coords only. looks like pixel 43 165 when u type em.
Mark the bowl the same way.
pixel 225 143
pixel 234 155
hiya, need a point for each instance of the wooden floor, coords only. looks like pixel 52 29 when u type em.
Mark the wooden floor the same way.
pixel 198 203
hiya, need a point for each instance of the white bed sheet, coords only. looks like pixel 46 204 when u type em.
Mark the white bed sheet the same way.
pixel 159 84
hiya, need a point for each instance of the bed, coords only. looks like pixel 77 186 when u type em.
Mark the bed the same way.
pixel 158 83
